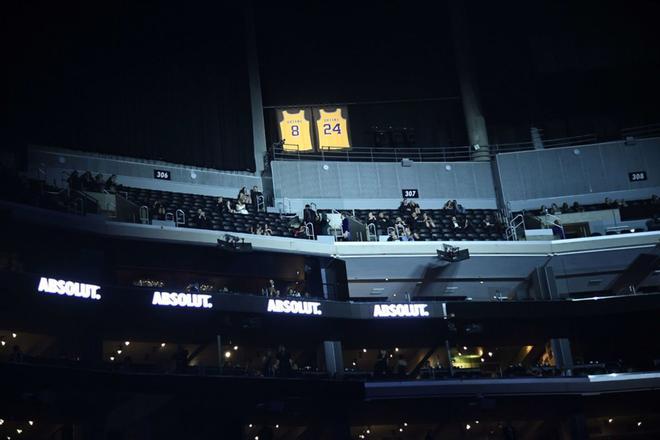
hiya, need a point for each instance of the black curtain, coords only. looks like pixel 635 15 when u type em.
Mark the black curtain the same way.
pixel 150 79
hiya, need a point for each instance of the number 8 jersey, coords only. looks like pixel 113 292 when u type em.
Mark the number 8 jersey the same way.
pixel 295 129
pixel 332 129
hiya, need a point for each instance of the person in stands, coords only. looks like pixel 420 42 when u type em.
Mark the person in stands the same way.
pixel 558 230
pixel 309 215
pixel 428 221
pixel 74 181
pixel 267 230
pixel 345 228
pixel 220 206
pixel 459 225
pixel 487 223
pixel 254 195
pixel 201 220
pixel 111 184
pixel 240 207
pixel 392 236
pixel 382 223
pixel 283 362
pixel 371 218
pixel 99 183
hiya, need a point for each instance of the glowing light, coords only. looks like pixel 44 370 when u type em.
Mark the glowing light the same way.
pixel 468 427
pixel 400 429
pixel 368 431
pixel 464 348
pixel 127 343
pixel 460 354
pixel 610 420
pixel 19 431
pixel 30 422
pixel 396 348
pixel 639 423
pixel 112 358
pixel 13 335
pixel 483 360
pixel 400 310
pixel 277 426
pixel 227 354
pixel 119 351
pixel 476 422
pixel 162 345
pixel 250 425
pixel 3 343
pixel 235 347
pixel 364 350
pixel 361 436
pixel 405 424
pixel 490 354
pixel 2 421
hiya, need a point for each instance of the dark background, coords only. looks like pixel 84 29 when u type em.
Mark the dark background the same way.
pixel 168 80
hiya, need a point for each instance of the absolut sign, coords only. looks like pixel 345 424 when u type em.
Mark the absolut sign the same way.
pixel 400 311
pixel 173 299
pixel 69 288
pixel 294 307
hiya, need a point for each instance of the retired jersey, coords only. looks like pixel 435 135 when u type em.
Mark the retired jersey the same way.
pixel 332 129
pixel 296 131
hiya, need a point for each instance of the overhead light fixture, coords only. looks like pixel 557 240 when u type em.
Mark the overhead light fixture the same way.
pixel 162 344
pixel 112 358
pixel 610 420
pixel 13 335
pixel 2 421
pixel 490 354
pixel 364 350
pixel 227 354
pixel 468 427
pixel 235 347
pixel 119 351
pixel 30 422
pixel 127 343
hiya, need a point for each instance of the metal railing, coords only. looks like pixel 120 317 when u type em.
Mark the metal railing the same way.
pixel 453 153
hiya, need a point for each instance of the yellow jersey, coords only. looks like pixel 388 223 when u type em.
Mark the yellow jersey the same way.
pixel 295 130
pixel 332 129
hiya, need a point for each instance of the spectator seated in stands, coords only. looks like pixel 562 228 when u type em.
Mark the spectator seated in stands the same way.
pixel 300 232
pixel 229 208
pixel 241 193
pixel 87 182
pixel 382 223
pixel 459 225
pixel 221 206
pixel 270 290
pixel 240 207
pixel 576 207
pixel 201 220
pixel 392 236
pixel 267 230
pixel 428 221
pixel 558 230
pixel 74 181
pixel 371 218
pixel 449 206
pixel 407 234
pixel 488 223
pixel 158 211
pixel 99 183
pixel 111 185
pixel 458 207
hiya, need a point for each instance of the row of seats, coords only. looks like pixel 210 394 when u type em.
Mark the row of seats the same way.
pixel 217 219
pixel 231 222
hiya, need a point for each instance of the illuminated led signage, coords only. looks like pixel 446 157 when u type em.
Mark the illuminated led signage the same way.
pixel 294 307
pixel 400 310
pixel 69 288
pixel 174 299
